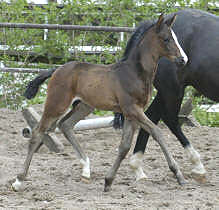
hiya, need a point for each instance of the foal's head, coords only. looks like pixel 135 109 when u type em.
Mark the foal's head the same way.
pixel 166 41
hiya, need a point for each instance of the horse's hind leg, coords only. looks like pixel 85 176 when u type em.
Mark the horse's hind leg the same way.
pixel 66 126
pixel 129 129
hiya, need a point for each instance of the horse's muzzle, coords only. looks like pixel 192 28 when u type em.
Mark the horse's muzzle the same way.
pixel 180 61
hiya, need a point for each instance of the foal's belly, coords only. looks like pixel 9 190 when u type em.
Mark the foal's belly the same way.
pixel 98 92
pixel 101 101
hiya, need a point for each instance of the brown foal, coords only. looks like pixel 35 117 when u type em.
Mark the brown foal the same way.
pixel 123 87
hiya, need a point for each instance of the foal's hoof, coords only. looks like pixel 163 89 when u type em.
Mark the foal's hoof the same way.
pixel 85 179
pixel 108 184
pixel 16 186
pixel 181 180
pixel 107 188
pixel 200 178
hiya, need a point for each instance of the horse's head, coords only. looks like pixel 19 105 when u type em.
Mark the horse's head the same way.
pixel 167 41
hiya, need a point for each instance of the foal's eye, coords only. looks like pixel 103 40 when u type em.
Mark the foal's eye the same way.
pixel 166 40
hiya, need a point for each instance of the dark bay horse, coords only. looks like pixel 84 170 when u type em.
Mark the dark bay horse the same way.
pixel 198 34
pixel 124 87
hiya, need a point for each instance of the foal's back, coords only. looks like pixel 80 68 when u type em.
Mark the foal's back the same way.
pixel 94 84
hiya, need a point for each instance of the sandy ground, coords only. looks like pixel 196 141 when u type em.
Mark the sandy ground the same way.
pixel 54 181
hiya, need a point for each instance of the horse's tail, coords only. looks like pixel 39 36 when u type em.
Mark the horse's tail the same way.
pixel 118 121
pixel 33 86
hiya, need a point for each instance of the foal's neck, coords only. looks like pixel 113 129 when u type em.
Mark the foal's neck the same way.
pixel 145 58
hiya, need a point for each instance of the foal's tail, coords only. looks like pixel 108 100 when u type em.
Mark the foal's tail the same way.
pixel 33 86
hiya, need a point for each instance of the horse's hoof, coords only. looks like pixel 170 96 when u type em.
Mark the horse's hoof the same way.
pixel 85 179
pixel 200 178
pixel 139 174
pixel 141 177
pixel 16 186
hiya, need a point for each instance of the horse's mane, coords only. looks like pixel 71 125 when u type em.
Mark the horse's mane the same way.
pixel 137 37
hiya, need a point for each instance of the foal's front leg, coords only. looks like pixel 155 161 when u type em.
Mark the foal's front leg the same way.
pixel 154 130
pixel 129 129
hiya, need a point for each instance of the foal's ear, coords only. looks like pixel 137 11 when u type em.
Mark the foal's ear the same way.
pixel 160 23
pixel 171 21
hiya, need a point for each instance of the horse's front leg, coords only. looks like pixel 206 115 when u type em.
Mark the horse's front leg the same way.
pixel 154 130
pixel 128 133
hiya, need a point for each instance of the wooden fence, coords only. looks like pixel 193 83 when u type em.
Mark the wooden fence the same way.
pixel 21 70
pixel 55 27
pixel 66 27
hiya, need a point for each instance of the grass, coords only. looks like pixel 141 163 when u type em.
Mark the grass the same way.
pixel 206 118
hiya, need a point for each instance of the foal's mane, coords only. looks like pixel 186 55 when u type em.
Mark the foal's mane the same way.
pixel 136 38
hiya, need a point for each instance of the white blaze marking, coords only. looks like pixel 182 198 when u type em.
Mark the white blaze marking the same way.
pixel 194 157
pixel 135 164
pixel 86 168
pixel 180 48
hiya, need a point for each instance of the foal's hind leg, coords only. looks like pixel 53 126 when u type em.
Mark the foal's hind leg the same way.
pixel 34 144
pixel 128 133
pixel 66 126
pixel 57 103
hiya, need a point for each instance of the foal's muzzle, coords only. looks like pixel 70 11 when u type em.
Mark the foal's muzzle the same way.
pixel 180 61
